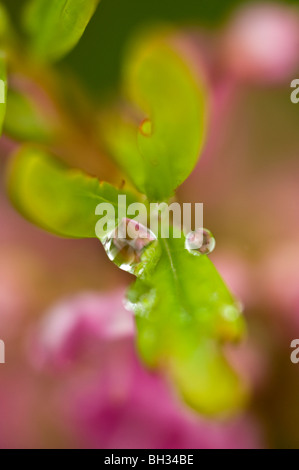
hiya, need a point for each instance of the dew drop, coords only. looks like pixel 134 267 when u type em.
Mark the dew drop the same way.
pixel 200 242
pixel 146 127
pixel 230 313
pixel 127 243
pixel 141 306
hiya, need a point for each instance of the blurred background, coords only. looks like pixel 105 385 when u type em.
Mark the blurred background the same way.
pixel 72 378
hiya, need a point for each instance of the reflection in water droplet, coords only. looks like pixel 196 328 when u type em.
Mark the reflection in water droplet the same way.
pixel 127 243
pixel 200 242
pixel 146 127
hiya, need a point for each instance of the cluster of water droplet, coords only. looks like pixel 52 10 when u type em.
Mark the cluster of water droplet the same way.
pixel 127 243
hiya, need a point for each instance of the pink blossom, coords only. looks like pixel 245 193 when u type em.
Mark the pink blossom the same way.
pixel 262 43
pixel 113 401
pixel 278 275
pixel 78 324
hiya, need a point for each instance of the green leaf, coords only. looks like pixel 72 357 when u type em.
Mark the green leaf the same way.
pixel 158 143
pixel 25 120
pixel 6 31
pixel 184 314
pixel 3 89
pixel 55 26
pixel 56 198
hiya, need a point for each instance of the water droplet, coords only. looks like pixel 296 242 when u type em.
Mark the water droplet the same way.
pixel 127 243
pixel 230 324
pixel 230 313
pixel 142 305
pixel 200 242
pixel 146 127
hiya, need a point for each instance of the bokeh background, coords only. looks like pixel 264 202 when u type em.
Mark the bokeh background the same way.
pixel 72 378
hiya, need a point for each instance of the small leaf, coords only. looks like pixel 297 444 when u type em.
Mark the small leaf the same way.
pixel 158 143
pixel 55 26
pixel 56 198
pixel 184 315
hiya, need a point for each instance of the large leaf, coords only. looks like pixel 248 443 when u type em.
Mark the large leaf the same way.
pixel 184 315
pixel 55 26
pixel 56 198
pixel 3 89
pixel 158 142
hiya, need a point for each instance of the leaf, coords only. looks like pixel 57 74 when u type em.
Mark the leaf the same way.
pixel 6 30
pixel 3 89
pixel 158 142
pixel 56 198
pixel 56 26
pixel 24 119
pixel 184 315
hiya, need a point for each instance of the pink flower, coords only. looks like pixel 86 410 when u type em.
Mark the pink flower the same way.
pixel 262 43
pixel 77 325
pixel 106 398
pixel 278 275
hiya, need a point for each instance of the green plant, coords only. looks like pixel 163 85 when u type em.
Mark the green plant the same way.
pixel 184 312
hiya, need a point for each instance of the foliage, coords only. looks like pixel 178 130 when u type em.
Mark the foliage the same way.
pixel 184 312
